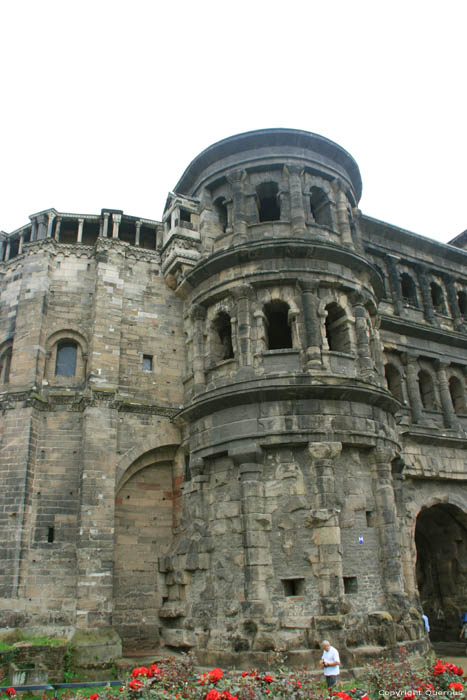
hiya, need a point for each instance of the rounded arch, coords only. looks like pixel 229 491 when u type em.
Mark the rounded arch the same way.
pixel 337 329
pixel 6 353
pixel 145 504
pixel 441 569
pixel 394 381
pixel 279 332
pixel 151 444
pixel 457 392
pixel 66 357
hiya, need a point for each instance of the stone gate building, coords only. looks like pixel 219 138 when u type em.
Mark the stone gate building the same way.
pixel 241 427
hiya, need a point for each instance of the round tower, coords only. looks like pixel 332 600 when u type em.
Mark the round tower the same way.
pixel 288 530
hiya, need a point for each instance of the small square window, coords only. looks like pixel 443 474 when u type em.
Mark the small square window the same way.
pixel 293 586
pixel 147 363
pixel 350 584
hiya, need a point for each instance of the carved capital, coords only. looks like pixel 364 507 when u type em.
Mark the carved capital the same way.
pixel 324 450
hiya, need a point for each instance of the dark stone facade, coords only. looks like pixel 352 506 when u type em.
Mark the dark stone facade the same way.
pixel 241 428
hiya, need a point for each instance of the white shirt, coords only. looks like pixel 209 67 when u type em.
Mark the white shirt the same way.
pixel 329 657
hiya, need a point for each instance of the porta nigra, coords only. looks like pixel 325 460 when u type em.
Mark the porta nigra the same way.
pixel 242 427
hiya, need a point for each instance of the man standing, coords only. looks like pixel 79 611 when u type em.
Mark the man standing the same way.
pixel 330 662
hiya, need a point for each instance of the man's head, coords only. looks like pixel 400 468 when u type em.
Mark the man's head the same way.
pixel 325 645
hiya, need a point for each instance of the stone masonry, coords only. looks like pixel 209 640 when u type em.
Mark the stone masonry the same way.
pixel 241 428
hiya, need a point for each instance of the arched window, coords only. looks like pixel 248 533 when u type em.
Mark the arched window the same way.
pixel 381 272
pixel 67 352
pixel 268 205
pixel 394 380
pixel 437 298
pixel 5 363
pixel 427 390
pixel 278 329
pixel 223 348
pixel 462 302
pixel 320 207
pixel 220 208
pixel 456 389
pixel 337 329
pixel 408 289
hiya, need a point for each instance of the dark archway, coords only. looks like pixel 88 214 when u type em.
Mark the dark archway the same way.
pixel 441 541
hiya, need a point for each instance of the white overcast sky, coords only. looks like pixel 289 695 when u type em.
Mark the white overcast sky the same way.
pixel 105 103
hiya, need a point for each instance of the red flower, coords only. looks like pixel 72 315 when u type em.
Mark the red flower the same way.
pixel 215 675
pixel 11 692
pixel 212 695
pixel 439 668
pixel 94 696
pixel 140 671
pixel 268 679
pixel 460 671
pixel 456 686
pixel 245 673
pixel 135 684
pixel 297 684
pixel 154 671
pixel 365 697
pixel 410 695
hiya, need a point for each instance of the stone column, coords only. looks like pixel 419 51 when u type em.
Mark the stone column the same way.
pixel 21 243
pixel 116 219
pixel 395 283
pixel 243 296
pixel 343 217
pixel 79 237
pixel 57 229
pixel 42 227
pixel 255 524
pixel 387 524
pixel 324 520
pixel 237 180
pixel 34 230
pixel 449 415
pixel 198 316
pixel 413 390
pixel 7 250
pixel 365 360
pixel 453 303
pixel 105 225
pixel 297 209
pixel 138 233
pixel 310 303
pixel 50 224
pixel 426 294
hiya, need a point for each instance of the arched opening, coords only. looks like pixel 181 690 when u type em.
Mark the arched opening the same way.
pixel 337 330
pixel 143 533
pixel 268 205
pixel 5 364
pixel 278 329
pixel 220 208
pixel 456 389
pixel 427 390
pixel 222 326
pixel 441 569
pixel 408 289
pixel 437 298
pixel 462 302
pixel 320 207
pixel 394 380
pixel 65 364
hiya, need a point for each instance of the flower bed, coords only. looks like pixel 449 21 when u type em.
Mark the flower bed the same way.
pixel 176 680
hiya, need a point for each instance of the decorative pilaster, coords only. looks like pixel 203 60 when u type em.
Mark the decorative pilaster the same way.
pixel 297 209
pixel 116 220
pixel 426 294
pixel 21 243
pixel 324 520
pixel 413 390
pixel 198 317
pixel 362 332
pixel 343 217
pixel 42 227
pixel 310 304
pixel 449 415
pixel 390 553
pixel 451 291
pixel 243 296
pixel 57 229
pixel 105 225
pixel 237 180
pixel 395 283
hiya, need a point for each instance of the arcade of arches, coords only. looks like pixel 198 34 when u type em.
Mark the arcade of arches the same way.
pixel 441 541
